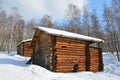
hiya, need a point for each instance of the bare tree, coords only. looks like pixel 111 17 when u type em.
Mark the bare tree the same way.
pixel 73 15
pixel 112 27
pixel 86 21
pixel 29 29
pixel 46 21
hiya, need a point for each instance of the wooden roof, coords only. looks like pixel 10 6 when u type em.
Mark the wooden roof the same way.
pixel 24 41
pixel 67 34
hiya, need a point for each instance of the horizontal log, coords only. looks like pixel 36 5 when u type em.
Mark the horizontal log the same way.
pixel 68 41
pixel 81 67
pixel 74 59
pixel 70 53
pixel 64 40
pixel 70 64
pixel 70 56
pixel 70 61
pixel 66 55
pixel 73 49
pixel 28 45
pixel 64 67
pixel 71 69
pixel 80 70
pixel 92 62
pixel 93 70
pixel 25 45
pixel 65 71
pixel 27 55
pixel 94 49
pixel 27 51
pixel 93 52
pixel 70 45
pixel 70 50
pixel 94 57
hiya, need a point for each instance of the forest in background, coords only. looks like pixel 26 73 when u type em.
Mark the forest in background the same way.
pixel 14 29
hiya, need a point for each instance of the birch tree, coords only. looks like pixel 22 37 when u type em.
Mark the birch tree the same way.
pixel 73 15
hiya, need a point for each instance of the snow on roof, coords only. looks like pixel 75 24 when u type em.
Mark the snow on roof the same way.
pixel 68 34
pixel 24 41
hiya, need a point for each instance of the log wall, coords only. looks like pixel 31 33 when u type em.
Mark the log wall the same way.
pixel 27 49
pixel 66 55
pixel 42 51
pixel 20 49
pixel 70 56
pixel 95 59
pixel 24 49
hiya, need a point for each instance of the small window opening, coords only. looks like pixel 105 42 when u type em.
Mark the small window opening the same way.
pixel 64 46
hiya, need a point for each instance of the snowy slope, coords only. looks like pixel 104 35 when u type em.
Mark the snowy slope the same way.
pixel 13 67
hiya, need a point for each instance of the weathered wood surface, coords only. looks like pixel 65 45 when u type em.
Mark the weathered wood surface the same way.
pixel 95 59
pixel 27 49
pixel 24 49
pixel 42 51
pixel 65 55
pixel 68 54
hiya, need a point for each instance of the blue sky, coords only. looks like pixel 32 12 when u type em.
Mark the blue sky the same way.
pixel 56 8
pixel 98 5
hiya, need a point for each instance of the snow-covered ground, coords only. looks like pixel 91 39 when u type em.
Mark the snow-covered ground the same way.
pixel 13 67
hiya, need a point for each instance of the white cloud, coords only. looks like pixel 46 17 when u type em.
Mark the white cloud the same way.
pixel 38 8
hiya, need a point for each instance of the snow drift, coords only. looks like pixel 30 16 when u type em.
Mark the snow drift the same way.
pixel 13 67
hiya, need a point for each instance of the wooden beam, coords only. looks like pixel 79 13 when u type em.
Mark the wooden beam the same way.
pixel 53 54
pixel 23 49
pixel 100 60
pixel 33 44
pixel 87 57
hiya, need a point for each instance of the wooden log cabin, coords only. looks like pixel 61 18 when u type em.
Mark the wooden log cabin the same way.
pixel 24 48
pixel 62 51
